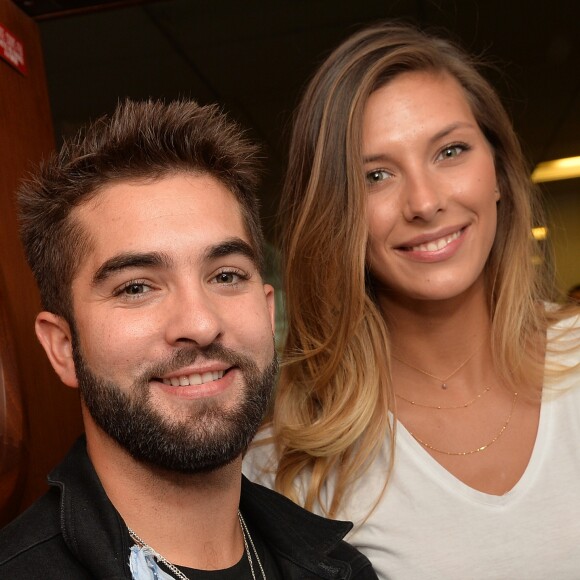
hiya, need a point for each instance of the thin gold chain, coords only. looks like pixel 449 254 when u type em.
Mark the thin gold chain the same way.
pixel 444 380
pixel 442 407
pixel 482 448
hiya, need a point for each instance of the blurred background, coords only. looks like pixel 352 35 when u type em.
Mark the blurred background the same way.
pixel 255 56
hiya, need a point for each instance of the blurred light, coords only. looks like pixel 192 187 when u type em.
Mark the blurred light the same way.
pixel 540 233
pixel 565 168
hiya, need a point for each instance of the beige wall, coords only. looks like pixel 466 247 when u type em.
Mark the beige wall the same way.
pixel 563 204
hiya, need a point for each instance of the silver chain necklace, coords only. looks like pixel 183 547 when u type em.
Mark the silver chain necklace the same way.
pixel 247 537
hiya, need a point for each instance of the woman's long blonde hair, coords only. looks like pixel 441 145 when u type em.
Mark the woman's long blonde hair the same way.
pixel 331 413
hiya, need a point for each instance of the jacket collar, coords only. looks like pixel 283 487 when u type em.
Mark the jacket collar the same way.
pixel 294 533
pixel 97 535
pixel 92 528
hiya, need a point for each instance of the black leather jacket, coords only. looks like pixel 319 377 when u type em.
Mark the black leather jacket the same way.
pixel 74 532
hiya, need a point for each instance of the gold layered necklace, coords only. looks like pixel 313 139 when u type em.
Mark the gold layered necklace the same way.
pixel 444 407
pixel 478 449
pixel 444 384
pixel 442 380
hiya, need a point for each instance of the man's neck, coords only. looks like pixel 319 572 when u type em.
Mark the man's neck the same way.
pixel 189 519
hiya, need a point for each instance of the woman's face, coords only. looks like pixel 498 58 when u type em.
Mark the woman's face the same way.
pixel 431 188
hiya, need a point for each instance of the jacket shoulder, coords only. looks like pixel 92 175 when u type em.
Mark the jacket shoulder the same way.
pixel 307 540
pixel 32 545
pixel 360 565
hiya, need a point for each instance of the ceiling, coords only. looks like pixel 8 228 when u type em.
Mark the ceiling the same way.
pixel 255 56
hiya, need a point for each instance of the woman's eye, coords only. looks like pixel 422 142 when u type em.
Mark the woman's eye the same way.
pixel 452 151
pixel 376 176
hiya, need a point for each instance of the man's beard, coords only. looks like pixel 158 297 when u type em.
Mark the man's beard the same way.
pixel 209 438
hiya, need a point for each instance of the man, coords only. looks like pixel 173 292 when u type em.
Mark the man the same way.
pixel 144 237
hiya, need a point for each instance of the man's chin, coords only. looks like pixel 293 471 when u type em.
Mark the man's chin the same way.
pixel 176 434
pixel 208 467
pixel 203 442
pixel 185 411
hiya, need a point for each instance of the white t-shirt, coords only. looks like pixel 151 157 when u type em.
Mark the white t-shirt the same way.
pixel 430 525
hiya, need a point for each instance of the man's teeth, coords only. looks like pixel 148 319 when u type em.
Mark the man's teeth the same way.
pixel 436 244
pixel 194 379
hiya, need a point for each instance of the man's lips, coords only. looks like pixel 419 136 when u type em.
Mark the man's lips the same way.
pixel 194 379
pixel 185 377
pixel 187 384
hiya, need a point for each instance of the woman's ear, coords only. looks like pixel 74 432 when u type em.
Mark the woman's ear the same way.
pixel 54 335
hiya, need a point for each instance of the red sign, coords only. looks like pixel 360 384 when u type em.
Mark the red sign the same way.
pixel 11 50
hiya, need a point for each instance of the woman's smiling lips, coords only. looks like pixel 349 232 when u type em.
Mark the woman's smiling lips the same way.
pixel 434 247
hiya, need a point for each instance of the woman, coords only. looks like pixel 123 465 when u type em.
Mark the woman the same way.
pixel 413 399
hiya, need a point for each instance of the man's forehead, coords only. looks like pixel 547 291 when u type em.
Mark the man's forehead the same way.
pixel 172 185
pixel 161 215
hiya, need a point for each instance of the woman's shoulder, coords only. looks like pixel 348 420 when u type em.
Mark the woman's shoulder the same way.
pixel 565 326
pixel 260 461
pixel 562 361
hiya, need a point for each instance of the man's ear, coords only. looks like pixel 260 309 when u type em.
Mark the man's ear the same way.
pixel 271 301
pixel 54 335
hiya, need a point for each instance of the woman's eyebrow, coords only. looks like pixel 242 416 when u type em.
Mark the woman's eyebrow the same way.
pixel 450 128
pixel 383 157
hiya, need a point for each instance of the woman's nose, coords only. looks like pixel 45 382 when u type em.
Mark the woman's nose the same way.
pixel 423 197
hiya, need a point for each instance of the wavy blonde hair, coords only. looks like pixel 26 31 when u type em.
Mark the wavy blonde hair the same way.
pixel 335 392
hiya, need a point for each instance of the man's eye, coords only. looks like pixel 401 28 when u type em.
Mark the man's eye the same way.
pixel 136 289
pixel 133 289
pixel 226 278
pixel 230 277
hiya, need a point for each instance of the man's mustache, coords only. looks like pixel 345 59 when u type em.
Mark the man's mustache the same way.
pixel 187 356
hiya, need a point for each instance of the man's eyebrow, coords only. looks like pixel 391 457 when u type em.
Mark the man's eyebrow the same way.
pixel 129 260
pixel 229 247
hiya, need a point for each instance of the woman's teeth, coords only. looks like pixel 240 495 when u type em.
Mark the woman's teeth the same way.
pixel 436 244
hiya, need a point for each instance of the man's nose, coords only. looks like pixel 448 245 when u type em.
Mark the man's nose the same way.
pixel 193 318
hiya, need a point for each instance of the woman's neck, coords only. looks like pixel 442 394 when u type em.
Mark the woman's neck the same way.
pixel 437 333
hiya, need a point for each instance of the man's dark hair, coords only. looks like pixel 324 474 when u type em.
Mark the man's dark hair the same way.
pixel 140 140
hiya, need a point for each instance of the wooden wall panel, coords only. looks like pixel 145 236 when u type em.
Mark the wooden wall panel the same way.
pixel 51 415
pixel 13 430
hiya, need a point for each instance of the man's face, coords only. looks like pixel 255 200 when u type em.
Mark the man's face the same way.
pixel 172 343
